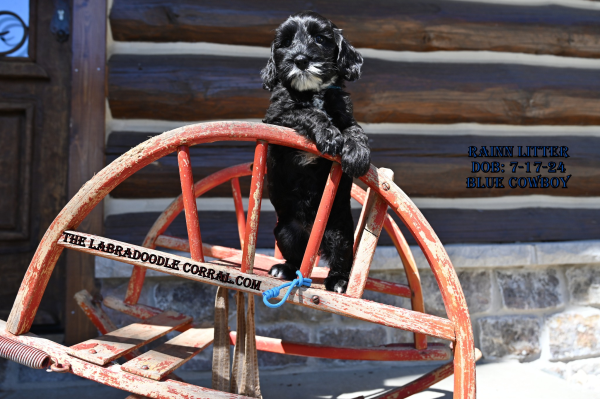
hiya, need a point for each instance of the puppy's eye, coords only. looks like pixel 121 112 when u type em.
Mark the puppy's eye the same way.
pixel 319 39
pixel 286 43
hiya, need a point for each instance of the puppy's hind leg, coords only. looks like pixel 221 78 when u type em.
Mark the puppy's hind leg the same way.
pixel 336 248
pixel 292 240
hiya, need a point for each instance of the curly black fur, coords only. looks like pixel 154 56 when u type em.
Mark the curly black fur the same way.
pixel 310 60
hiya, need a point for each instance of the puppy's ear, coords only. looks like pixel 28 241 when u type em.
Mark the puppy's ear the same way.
pixel 269 72
pixel 349 60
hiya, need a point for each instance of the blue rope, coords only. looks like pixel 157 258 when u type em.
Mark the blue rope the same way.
pixel 274 292
pixel 333 87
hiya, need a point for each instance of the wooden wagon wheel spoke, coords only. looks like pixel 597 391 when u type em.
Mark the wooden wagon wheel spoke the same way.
pixel 367 234
pixel 259 168
pixel 239 208
pixel 318 229
pixel 189 202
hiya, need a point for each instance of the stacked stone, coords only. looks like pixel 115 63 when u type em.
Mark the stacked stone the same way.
pixel 527 302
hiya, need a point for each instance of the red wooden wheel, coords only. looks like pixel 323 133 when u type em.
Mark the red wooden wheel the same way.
pixel 384 193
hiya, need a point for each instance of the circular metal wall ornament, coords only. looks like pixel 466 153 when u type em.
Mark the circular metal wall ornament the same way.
pixel 7 25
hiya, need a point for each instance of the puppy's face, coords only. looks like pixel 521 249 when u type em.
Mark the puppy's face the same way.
pixel 310 53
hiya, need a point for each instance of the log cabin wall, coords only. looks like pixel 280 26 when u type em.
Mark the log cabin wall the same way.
pixel 439 76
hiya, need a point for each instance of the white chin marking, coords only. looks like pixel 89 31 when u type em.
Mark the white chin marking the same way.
pixel 304 158
pixel 306 81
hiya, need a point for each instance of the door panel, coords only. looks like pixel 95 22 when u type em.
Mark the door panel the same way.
pixel 16 123
pixel 34 132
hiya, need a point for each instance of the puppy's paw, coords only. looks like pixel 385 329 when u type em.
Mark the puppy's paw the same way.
pixel 284 271
pixel 336 284
pixel 356 158
pixel 330 141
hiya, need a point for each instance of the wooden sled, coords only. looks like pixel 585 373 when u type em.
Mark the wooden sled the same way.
pixel 151 374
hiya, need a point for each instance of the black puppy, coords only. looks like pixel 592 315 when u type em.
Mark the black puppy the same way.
pixel 310 60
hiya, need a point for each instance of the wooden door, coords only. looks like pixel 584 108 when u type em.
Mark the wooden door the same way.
pixel 35 87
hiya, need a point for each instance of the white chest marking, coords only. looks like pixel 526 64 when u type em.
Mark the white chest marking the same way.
pixel 304 158
pixel 318 103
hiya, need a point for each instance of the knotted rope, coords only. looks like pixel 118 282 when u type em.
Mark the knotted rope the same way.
pixel 274 292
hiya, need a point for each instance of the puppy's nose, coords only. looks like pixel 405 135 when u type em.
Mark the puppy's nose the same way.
pixel 301 61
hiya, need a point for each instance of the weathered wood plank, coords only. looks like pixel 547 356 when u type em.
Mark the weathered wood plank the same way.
pixel 215 273
pixel 369 228
pixel 138 310
pixel 422 25
pixel 86 145
pixel 200 87
pixel 117 343
pixel 98 316
pixel 451 226
pixel 213 87
pixel 171 355
pixel 425 166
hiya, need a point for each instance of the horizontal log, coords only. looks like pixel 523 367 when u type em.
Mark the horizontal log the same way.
pixel 161 178
pixel 451 225
pixel 201 87
pixel 422 25
pixel 215 227
pixel 424 165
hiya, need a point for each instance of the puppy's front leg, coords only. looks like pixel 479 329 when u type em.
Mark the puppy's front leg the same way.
pixel 356 155
pixel 292 240
pixel 315 125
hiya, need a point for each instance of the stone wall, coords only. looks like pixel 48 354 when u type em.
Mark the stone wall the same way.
pixel 527 302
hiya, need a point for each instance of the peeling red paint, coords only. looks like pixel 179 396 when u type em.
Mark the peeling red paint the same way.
pixel 189 203
pixel 161 361
pixel 256 189
pixel 236 192
pixel 366 237
pixel 133 336
pixel 318 229
pixel 84 346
